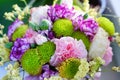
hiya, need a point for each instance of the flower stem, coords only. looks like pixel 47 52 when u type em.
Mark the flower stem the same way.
pixel 31 3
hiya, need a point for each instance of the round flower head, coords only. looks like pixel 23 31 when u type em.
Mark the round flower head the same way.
pixel 13 27
pixel 69 68
pixel 67 47
pixel 63 27
pixel 20 46
pixel 89 27
pixel 46 50
pixel 19 32
pixel 107 25
pixel 59 11
pixel 31 62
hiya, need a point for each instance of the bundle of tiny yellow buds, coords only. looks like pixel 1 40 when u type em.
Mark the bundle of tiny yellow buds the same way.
pixel 17 13
pixel 117 69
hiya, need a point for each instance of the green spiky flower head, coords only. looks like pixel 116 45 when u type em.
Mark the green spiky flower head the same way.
pixel 31 62
pixel 107 25
pixel 19 32
pixel 63 27
pixel 80 35
pixel 46 50
pixel 69 68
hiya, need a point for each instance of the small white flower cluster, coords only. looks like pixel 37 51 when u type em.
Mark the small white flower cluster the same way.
pixel 1 29
pixel 91 11
pixel 117 69
pixel 17 13
pixel 4 52
pixel 117 38
pixel 12 72
pixel 55 78
pixel 95 64
pixel 83 69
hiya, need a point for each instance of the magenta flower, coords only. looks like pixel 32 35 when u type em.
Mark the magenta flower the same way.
pixel 60 11
pixel 67 47
pixel 77 22
pixel 18 49
pixel 13 27
pixel 89 27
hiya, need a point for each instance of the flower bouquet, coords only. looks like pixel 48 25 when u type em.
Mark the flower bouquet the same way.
pixel 57 42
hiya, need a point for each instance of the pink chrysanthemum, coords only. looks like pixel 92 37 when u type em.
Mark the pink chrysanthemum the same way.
pixel 67 47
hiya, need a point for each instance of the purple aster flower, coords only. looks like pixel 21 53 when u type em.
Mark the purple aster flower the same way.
pixel 47 73
pixel 60 11
pixel 18 49
pixel 89 27
pixel 13 27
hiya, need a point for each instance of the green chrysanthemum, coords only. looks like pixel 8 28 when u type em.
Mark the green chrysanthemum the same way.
pixel 63 27
pixel 107 25
pixel 19 32
pixel 46 50
pixel 80 35
pixel 69 68
pixel 31 62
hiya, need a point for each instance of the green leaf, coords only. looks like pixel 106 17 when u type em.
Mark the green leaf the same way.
pixel 0 58
pixel 34 26
pixel 85 16
pixel 26 18
pixel 44 25
pixel 58 2
pixel 33 45
pixel 9 45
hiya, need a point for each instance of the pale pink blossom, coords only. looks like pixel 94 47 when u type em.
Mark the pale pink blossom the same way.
pixel 30 35
pixel 108 56
pixel 40 39
pixel 97 76
pixel 67 47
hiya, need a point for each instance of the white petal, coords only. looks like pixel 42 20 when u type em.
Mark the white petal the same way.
pixel 99 44
pixel 39 13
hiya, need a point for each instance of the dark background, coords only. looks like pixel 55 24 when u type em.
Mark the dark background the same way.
pixel 6 6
